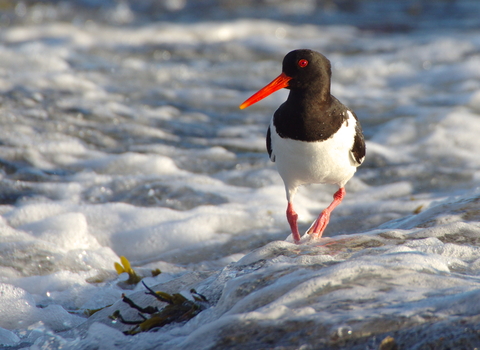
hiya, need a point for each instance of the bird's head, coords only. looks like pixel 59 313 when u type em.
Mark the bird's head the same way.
pixel 302 69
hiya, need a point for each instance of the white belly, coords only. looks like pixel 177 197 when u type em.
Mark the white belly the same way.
pixel 328 161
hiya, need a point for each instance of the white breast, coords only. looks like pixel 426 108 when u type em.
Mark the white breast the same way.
pixel 329 161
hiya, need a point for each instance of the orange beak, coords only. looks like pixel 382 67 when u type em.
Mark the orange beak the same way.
pixel 278 83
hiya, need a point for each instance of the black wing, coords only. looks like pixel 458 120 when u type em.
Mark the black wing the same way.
pixel 269 145
pixel 358 148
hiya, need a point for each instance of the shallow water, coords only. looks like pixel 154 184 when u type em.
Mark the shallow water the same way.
pixel 121 135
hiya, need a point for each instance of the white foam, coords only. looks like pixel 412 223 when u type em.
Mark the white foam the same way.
pixel 68 231
pixel 127 140
pixel 133 164
pixel 8 338
pixel 19 311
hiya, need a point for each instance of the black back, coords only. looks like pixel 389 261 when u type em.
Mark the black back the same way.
pixel 311 113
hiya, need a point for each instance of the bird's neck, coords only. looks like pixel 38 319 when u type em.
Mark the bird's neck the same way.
pixel 309 116
pixel 310 99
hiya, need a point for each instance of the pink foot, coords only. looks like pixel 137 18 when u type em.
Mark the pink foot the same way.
pixel 292 220
pixel 317 228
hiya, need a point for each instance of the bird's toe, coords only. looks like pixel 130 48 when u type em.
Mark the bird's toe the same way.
pixel 317 228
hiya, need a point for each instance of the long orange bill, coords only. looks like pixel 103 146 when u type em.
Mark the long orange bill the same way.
pixel 278 83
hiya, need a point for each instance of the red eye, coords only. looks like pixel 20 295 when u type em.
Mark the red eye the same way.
pixel 302 63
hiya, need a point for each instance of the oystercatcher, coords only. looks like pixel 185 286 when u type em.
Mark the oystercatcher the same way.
pixel 312 137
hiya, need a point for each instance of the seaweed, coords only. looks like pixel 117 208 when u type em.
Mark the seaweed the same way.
pixel 178 309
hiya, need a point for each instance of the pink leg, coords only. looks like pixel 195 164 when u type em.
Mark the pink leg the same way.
pixel 316 230
pixel 292 220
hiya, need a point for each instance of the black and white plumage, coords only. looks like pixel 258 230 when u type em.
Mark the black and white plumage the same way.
pixel 313 137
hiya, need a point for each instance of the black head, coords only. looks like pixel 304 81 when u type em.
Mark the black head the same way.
pixel 305 72
pixel 308 70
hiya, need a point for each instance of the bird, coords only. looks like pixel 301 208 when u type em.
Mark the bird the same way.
pixel 312 137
